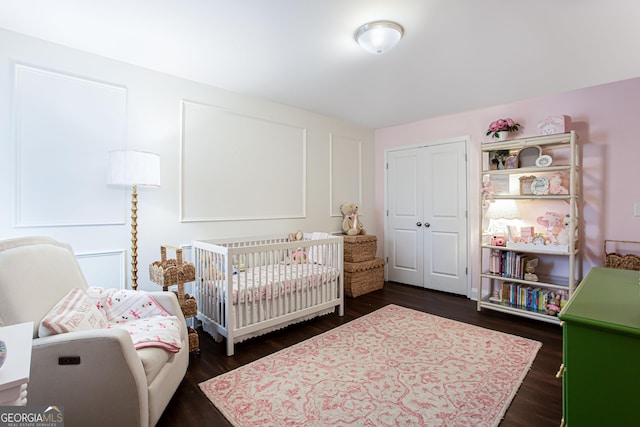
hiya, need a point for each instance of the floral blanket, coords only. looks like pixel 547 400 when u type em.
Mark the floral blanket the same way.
pixel 137 312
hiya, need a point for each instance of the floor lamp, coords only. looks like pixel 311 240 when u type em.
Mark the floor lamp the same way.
pixel 134 169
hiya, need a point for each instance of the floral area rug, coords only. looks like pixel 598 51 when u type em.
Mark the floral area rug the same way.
pixel 392 367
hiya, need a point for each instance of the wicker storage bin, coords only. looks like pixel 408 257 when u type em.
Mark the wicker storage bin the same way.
pixel 363 277
pixel 168 272
pixel 194 341
pixel 188 305
pixel 360 248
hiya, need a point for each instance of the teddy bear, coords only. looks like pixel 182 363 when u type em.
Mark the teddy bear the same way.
pixel 351 224
pixel 555 185
pixel 299 256
pixel 553 306
pixel 563 234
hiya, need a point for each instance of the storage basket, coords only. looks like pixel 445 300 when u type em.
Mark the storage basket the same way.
pixel 194 341
pixel 621 261
pixel 363 277
pixel 189 305
pixel 167 272
pixel 360 248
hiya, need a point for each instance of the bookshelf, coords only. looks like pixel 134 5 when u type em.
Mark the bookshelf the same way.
pixel 529 218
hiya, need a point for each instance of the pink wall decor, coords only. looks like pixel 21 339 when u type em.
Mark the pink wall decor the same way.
pixel 554 124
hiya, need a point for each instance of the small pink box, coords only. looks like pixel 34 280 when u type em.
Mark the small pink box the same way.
pixel 554 124
pixel 526 231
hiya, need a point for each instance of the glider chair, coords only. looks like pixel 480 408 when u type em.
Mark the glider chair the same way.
pixel 95 374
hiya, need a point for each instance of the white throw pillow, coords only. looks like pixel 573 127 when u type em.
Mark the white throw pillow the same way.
pixel 74 312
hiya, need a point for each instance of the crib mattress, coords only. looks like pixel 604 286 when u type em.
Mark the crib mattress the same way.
pixel 271 281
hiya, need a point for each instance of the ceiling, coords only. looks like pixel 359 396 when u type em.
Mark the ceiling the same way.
pixel 456 55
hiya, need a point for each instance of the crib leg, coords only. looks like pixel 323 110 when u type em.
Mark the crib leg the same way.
pixel 229 347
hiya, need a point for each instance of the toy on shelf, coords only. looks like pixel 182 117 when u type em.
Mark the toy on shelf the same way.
pixel 555 185
pixel 530 268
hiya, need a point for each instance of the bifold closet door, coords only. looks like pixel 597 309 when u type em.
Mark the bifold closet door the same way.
pixel 426 234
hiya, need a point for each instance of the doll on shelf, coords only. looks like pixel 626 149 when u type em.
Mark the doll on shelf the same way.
pixel 555 185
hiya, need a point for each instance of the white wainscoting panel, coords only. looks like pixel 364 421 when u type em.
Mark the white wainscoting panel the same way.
pixel 64 128
pixel 238 167
pixel 346 172
pixel 105 269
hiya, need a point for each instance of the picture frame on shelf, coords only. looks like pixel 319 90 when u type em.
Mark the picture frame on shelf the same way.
pixel 540 186
pixel 500 184
pixel 511 162
pixel 497 159
pixel 525 185
pixel 544 161
pixel 527 156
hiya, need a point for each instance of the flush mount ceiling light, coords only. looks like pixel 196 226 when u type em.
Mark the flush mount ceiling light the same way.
pixel 379 36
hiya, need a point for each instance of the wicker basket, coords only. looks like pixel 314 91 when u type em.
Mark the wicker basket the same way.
pixel 167 272
pixel 360 248
pixel 189 305
pixel 363 277
pixel 621 261
pixel 194 342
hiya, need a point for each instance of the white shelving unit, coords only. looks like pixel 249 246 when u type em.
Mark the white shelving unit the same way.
pixel 563 149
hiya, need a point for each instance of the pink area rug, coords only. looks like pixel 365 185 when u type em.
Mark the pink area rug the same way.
pixel 395 366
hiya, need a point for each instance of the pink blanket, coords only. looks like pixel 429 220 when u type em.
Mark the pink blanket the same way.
pixel 137 312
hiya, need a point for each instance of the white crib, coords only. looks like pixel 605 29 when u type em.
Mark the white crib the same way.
pixel 248 287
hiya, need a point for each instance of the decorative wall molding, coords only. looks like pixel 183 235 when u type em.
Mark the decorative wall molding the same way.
pixel 106 269
pixel 239 167
pixel 64 128
pixel 345 174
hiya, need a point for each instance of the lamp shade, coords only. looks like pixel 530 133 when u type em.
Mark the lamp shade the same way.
pixel 503 209
pixel 379 37
pixel 129 167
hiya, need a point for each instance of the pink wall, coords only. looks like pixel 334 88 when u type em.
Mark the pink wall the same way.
pixel 605 118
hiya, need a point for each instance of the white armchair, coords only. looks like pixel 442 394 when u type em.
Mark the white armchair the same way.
pixel 113 384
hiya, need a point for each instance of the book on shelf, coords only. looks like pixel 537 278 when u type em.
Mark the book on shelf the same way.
pixel 527 297
pixel 508 264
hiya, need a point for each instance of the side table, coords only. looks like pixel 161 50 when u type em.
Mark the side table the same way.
pixel 14 373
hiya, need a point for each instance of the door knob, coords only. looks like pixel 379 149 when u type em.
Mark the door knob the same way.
pixel 427 225
pixel 419 224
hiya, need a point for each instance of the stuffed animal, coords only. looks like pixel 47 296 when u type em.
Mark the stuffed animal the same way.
pixel 555 185
pixel 298 256
pixel 563 235
pixel 298 235
pixel 553 306
pixel 351 223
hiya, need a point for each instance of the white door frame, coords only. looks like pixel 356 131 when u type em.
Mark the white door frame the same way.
pixel 466 139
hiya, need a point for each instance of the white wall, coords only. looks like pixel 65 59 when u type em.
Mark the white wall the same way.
pixel 66 156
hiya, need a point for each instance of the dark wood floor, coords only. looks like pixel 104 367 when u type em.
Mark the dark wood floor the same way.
pixel 537 403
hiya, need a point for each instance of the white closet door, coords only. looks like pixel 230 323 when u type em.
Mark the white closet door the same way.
pixel 427 217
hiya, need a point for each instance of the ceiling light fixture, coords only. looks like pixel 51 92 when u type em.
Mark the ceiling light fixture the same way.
pixel 379 36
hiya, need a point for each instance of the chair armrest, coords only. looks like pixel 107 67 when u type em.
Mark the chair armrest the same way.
pixel 107 386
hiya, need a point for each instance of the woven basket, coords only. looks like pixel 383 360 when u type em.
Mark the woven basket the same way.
pixel 363 277
pixel 620 261
pixel 189 305
pixel 360 248
pixel 167 272
pixel 194 342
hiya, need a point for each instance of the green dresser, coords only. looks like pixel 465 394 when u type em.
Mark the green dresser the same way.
pixel 601 350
